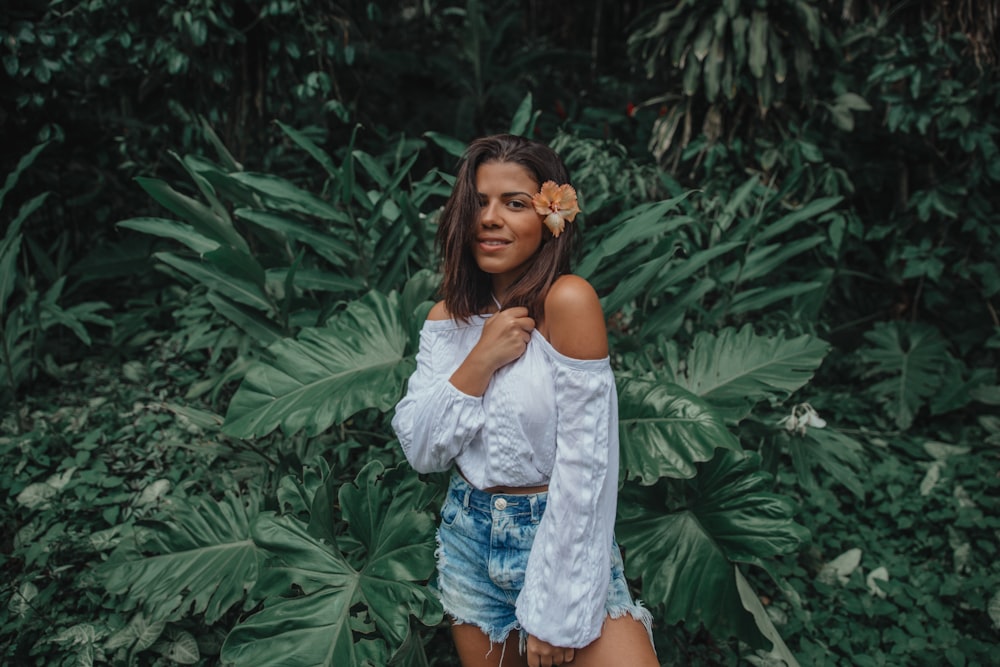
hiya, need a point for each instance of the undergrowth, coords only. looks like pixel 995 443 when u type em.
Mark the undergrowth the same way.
pixel 906 575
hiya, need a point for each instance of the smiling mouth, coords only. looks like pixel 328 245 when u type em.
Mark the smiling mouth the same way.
pixel 493 243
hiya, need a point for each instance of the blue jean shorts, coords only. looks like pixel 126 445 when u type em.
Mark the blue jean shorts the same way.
pixel 483 546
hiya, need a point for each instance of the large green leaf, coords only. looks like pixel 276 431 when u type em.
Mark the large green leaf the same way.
pixel 237 288
pixel 811 210
pixel 316 279
pixel 836 454
pixel 284 195
pixel 669 316
pixel 913 356
pixel 172 229
pixel 252 322
pixel 734 369
pixel 386 514
pixel 345 615
pixel 690 265
pixel 452 146
pixel 310 147
pixel 204 219
pixel 10 246
pixel 636 225
pixel 763 259
pixel 202 560
pixel 758 43
pixel 752 603
pixel 11 180
pixel 10 249
pixel 665 430
pixel 324 243
pixel 315 628
pixel 326 375
pixel 686 554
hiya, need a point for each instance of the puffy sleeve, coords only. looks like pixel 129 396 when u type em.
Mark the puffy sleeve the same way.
pixel 435 421
pixel 569 569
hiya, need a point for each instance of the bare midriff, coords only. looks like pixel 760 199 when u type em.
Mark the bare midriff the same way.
pixel 511 490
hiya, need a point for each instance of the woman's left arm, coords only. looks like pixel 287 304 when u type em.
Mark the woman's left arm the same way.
pixel 569 570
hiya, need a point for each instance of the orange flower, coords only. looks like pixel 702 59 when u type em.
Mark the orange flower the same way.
pixel 557 203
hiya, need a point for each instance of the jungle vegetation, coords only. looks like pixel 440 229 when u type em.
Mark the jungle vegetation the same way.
pixel 216 253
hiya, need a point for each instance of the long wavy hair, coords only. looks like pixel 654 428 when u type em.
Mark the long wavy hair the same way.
pixel 466 288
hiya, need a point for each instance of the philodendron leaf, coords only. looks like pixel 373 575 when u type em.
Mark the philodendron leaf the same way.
pixel 316 628
pixel 835 454
pixel 201 561
pixel 733 369
pixel 345 615
pixel 665 430
pixel 686 556
pixel 296 492
pixel 912 359
pixel 384 510
pixel 329 373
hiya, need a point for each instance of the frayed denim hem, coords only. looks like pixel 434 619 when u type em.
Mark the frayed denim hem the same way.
pixel 495 637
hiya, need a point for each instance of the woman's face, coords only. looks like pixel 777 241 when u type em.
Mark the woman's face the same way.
pixel 508 231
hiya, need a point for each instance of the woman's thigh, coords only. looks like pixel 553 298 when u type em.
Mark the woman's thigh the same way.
pixel 474 648
pixel 623 641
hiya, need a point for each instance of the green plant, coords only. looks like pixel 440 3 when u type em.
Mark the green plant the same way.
pixel 914 368
pixel 905 577
pixel 311 380
pixel 27 312
pixel 283 258
pixel 716 45
pixel 716 262
pixel 607 178
pixel 87 464
pixel 677 519
pixel 349 577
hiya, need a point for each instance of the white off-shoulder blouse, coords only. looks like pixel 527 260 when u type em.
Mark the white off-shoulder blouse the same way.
pixel 545 419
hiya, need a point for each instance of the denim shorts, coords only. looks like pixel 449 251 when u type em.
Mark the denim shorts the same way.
pixel 483 546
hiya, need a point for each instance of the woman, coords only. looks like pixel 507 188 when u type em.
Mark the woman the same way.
pixel 514 390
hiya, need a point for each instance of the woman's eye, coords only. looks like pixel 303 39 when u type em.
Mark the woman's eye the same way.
pixel 514 203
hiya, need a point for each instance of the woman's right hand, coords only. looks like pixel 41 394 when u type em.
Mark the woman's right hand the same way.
pixel 504 339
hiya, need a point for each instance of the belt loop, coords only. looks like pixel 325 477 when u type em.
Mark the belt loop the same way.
pixel 533 501
pixel 468 494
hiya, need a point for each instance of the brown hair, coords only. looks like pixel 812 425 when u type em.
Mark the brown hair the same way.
pixel 466 288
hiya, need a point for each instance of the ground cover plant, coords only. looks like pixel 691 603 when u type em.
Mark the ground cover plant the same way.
pixel 790 219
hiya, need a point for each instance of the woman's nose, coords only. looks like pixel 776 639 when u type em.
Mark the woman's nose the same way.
pixel 489 215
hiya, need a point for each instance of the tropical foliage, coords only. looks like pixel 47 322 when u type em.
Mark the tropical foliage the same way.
pixel 217 254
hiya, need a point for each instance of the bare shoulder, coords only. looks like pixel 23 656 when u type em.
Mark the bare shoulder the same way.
pixel 439 312
pixel 575 320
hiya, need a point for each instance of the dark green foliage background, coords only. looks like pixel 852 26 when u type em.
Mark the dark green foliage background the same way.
pixel 821 169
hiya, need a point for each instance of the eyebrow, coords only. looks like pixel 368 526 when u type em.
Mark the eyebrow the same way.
pixel 507 194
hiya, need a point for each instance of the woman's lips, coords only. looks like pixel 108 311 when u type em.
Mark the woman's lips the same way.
pixel 492 245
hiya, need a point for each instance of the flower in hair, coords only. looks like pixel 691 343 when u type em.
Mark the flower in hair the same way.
pixel 557 203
